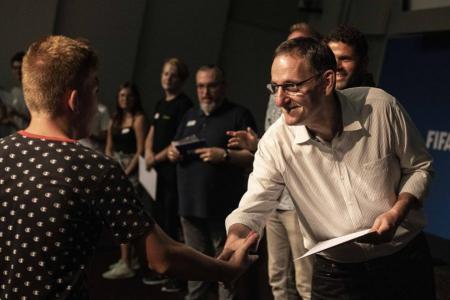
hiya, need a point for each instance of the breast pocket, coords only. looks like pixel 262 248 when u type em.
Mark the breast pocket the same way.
pixel 379 177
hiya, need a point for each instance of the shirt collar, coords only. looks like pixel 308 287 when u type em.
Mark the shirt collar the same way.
pixel 350 120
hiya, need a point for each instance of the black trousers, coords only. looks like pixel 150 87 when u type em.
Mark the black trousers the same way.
pixel 406 274
pixel 165 209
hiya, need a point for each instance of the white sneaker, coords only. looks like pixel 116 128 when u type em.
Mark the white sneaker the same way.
pixel 119 271
pixel 114 265
pixel 134 264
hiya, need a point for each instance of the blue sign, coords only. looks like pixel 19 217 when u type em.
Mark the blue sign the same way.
pixel 416 70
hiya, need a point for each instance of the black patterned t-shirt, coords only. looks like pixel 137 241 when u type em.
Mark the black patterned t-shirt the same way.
pixel 54 197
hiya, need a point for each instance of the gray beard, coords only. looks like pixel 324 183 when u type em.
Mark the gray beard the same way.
pixel 208 108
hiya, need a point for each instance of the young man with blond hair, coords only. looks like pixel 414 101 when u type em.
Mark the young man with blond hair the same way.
pixel 56 194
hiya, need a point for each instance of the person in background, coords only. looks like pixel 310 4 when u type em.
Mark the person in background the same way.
pixel 7 125
pixel 125 143
pixel 288 278
pixel 212 180
pixel 17 108
pixel 351 160
pixel 59 194
pixel 99 130
pixel 350 48
pixel 165 120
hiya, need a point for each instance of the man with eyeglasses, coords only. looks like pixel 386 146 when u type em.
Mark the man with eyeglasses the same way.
pixel 351 160
pixel 288 278
pixel 213 179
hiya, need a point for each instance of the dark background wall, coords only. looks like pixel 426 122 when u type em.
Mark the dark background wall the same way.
pixel 134 37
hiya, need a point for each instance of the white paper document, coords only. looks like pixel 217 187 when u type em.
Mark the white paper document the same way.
pixel 148 179
pixel 324 245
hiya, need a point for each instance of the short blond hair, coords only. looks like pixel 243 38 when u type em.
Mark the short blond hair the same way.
pixel 182 69
pixel 51 67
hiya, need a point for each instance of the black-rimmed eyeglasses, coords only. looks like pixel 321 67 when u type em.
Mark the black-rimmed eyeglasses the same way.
pixel 290 87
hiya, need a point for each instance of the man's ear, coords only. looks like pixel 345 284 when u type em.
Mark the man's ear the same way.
pixel 72 101
pixel 329 79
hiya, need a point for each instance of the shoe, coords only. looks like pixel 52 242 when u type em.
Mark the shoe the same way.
pixel 155 279
pixel 172 286
pixel 119 271
pixel 134 264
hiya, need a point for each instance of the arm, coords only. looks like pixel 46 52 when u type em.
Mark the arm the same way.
pixel 243 139
pixel 161 156
pixel 164 254
pixel 149 155
pixel 109 142
pixel 216 155
pixel 265 186
pixel 415 163
pixel 237 234
pixel 172 258
pixel 386 224
pixel 173 154
pixel 139 129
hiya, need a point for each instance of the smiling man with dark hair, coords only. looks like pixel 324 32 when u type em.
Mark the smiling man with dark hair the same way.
pixel 350 48
pixel 351 160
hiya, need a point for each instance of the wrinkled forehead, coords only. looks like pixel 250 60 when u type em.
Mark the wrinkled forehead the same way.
pixel 290 64
pixel 207 75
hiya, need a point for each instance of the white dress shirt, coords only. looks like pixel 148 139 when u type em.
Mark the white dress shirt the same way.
pixel 342 186
pixel 273 113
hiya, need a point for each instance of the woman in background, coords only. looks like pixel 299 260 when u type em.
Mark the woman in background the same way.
pixel 125 143
pixel 166 117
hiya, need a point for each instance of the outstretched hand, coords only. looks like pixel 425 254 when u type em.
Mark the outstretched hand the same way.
pixel 240 259
pixel 243 139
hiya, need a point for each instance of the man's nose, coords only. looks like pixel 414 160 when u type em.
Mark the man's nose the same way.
pixel 280 97
pixel 207 91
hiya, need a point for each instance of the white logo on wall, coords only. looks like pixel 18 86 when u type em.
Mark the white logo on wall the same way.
pixel 438 140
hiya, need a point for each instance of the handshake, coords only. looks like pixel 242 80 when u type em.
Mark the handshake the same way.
pixel 237 251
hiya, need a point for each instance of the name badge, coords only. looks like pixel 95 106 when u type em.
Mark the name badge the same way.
pixel 125 130
pixel 191 123
pixel 156 116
